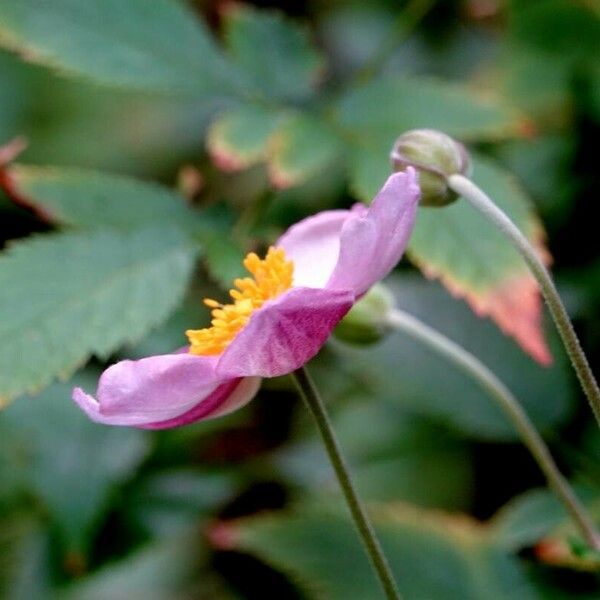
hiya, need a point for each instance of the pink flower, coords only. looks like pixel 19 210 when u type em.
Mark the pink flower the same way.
pixel 279 319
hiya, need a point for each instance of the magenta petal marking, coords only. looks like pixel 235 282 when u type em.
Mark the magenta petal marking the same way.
pixel 285 333
pixel 150 390
pixel 225 399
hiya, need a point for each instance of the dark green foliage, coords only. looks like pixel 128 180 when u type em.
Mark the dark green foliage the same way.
pixel 169 138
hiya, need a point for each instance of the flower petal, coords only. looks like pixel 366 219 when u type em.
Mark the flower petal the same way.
pixel 285 333
pixel 314 245
pixel 155 389
pixel 371 245
pixel 227 398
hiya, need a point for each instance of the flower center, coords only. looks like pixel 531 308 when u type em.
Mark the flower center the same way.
pixel 271 277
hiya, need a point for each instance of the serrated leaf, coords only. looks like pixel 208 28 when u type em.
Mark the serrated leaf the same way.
pixel 153 46
pixel 69 463
pixel 432 555
pixel 303 145
pixel 415 378
pixel 239 138
pixel 294 145
pixel 68 296
pixel 90 199
pixel 475 262
pixel 275 54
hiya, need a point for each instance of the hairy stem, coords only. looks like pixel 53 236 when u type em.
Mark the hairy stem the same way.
pixel 483 203
pixel 313 401
pixel 473 367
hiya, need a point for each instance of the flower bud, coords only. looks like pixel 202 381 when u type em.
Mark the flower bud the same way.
pixel 366 322
pixel 435 155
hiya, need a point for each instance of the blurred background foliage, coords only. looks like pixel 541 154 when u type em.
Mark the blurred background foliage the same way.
pixel 250 117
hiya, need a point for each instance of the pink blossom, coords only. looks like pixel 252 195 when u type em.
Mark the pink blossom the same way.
pixel 337 256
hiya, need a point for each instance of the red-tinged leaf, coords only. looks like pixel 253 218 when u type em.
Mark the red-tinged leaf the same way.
pixel 8 153
pixel 12 149
pixel 294 145
pixel 88 199
pixel 474 261
pixel 303 146
pixel 239 138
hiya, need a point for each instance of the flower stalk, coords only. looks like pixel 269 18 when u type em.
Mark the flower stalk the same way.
pixel 315 405
pixel 472 366
pixel 485 205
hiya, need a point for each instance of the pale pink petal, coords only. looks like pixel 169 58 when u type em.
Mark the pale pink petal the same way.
pixel 314 244
pixel 371 245
pixel 153 389
pixel 285 333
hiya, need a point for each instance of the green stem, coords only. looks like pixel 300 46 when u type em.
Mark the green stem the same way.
pixel 477 198
pixel 473 367
pixel 313 401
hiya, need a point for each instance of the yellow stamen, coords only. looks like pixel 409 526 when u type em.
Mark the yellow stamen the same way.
pixel 271 277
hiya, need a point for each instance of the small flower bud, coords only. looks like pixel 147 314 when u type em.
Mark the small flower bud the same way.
pixel 435 155
pixel 366 322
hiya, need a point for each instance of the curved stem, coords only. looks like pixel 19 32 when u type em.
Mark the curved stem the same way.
pixel 477 198
pixel 313 401
pixel 473 367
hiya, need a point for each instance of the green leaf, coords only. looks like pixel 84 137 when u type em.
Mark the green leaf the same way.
pixel 548 45
pixel 303 146
pixel 153 46
pixel 239 138
pixel 24 549
pixel 401 371
pixel 557 27
pixel 224 259
pixel 170 568
pixel 92 200
pixel 68 296
pixel 388 107
pixel 171 502
pixel 295 145
pixel 418 453
pixel 535 83
pixel 539 521
pixel 432 556
pixel 528 518
pixel 475 262
pixel 275 54
pixel 372 117
pixel 544 166
pixel 70 463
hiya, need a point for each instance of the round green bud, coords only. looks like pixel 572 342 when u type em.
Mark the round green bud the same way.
pixel 366 322
pixel 435 155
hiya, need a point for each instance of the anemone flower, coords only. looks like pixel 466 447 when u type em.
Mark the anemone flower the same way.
pixel 277 320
